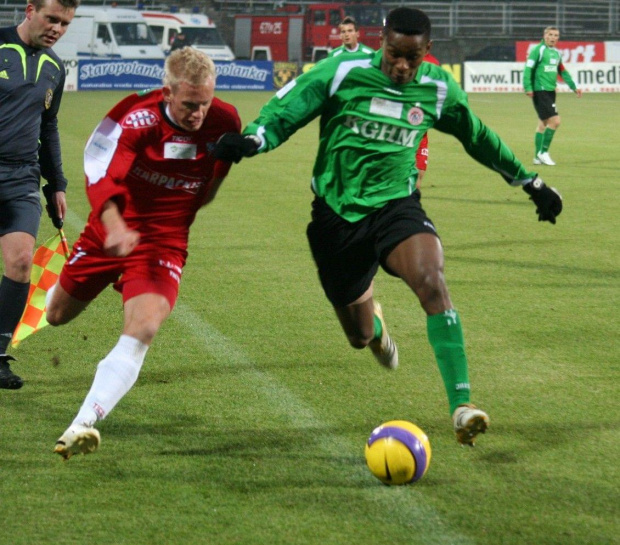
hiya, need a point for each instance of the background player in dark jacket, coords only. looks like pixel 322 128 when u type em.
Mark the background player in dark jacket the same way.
pixel 32 78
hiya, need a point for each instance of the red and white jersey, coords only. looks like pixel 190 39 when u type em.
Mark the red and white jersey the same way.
pixel 156 172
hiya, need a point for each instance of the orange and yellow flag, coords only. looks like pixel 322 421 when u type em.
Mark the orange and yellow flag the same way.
pixel 46 266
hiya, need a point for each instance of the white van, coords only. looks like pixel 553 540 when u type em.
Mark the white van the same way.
pixel 200 32
pixel 106 32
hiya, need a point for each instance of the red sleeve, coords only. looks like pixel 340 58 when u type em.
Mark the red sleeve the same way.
pixel 109 154
pixel 230 122
pixel 431 58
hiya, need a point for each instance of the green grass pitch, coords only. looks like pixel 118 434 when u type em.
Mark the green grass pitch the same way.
pixel 248 422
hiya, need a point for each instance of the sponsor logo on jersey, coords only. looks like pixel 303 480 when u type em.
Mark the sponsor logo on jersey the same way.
pixel 189 185
pixel 140 119
pixel 383 132
pixel 100 147
pixel 49 95
pixel 386 108
pixel 551 68
pixel 415 116
pixel 181 138
pixel 179 150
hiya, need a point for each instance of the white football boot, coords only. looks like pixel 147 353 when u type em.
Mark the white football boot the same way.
pixel 469 421
pixel 545 159
pixel 78 439
pixel 384 349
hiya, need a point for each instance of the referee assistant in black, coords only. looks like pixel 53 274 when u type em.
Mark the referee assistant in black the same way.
pixel 32 78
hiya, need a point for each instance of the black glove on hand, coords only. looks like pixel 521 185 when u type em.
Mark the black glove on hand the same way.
pixel 547 200
pixel 233 147
pixel 51 207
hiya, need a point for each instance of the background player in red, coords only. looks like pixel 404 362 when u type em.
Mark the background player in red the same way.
pixel 149 168
pixel 421 156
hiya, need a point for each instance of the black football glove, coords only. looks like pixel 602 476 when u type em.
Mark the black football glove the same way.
pixel 547 200
pixel 48 192
pixel 233 147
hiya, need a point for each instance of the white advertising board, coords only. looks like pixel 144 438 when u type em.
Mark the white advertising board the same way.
pixel 507 77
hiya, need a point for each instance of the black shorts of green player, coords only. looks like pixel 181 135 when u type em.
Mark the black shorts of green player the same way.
pixel 20 202
pixel 544 103
pixel 348 254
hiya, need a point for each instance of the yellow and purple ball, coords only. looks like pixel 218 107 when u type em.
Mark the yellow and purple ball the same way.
pixel 398 452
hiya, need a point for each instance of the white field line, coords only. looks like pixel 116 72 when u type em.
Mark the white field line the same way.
pixel 402 505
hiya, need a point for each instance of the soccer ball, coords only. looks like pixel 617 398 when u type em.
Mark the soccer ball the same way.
pixel 398 452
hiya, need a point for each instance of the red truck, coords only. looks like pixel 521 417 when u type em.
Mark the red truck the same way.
pixel 307 36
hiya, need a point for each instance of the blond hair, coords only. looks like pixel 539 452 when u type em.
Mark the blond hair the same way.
pixel 188 65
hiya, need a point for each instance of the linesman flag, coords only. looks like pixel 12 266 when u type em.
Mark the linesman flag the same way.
pixel 46 266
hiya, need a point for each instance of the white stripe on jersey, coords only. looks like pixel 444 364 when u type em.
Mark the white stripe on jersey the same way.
pixel 442 92
pixel 100 149
pixel 343 70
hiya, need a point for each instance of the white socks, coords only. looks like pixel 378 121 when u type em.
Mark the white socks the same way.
pixel 48 295
pixel 115 376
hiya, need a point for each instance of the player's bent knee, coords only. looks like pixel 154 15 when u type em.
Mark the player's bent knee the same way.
pixel 19 267
pixel 431 289
pixel 54 317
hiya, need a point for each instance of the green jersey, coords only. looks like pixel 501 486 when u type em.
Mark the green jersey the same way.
pixel 370 129
pixel 542 67
pixel 361 48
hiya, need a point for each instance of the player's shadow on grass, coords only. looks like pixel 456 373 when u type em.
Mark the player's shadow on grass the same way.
pixel 503 202
pixel 598 276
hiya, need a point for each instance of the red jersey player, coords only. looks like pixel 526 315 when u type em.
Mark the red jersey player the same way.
pixel 149 168
pixel 421 156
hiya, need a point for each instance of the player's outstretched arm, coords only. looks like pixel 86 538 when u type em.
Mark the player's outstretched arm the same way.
pixel 547 200
pixel 233 147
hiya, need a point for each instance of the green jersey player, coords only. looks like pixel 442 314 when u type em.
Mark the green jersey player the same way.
pixel 540 78
pixel 366 212
pixel 350 35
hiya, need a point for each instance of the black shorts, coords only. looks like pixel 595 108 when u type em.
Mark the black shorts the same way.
pixel 544 103
pixel 348 254
pixel 20 200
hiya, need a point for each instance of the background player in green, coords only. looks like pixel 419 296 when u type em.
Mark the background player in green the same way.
pixel 540 78
pixel 350 35
pixel 366 212
pixel 32 78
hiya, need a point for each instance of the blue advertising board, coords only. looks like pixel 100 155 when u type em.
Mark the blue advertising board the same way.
pixel 119 74
pixel 134 74
pixel 244 76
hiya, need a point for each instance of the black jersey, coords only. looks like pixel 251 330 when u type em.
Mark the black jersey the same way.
pixel 31 86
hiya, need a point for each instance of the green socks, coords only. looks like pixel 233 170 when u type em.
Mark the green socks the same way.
pixel 538 143
pixel 547 137
pixel 378 328
pixel 446 337
pixel 542 141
